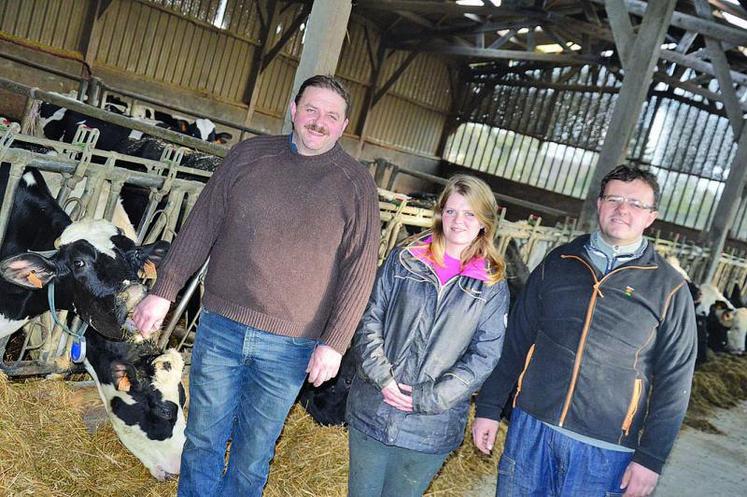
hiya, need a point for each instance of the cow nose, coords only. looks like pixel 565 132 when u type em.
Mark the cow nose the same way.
pixel 170 476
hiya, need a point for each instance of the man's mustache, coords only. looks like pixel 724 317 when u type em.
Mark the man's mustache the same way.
pixel 317 129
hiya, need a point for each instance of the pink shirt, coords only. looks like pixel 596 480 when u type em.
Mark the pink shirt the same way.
pixel 452 267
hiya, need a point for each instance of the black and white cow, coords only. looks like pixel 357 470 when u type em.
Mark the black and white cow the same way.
pixel 201 128
pixel 95 271
pixel 59 123
pixel 142 391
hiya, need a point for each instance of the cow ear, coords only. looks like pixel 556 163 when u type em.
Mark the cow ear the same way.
pixel 28 270
pixel 123 375
pixel 223 137
pixel 148 255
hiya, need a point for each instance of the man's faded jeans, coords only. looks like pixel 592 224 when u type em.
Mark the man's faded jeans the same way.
pixel 538 461
pixel 242 384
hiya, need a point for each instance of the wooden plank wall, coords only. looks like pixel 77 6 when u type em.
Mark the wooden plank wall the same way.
pixel 187 44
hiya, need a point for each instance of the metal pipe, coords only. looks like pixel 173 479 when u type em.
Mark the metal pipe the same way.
pixel 194 282
pixel 499 196
pixel 183 110
pixel 16 170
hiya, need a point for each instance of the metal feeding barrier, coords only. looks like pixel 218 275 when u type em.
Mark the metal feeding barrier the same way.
pixel 90 182
pixel 172 191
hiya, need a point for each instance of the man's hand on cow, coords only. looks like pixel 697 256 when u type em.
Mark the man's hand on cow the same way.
pixel 149 314
pixel 484 431
pixel 398 395
pixel 323 364
pixel 638 481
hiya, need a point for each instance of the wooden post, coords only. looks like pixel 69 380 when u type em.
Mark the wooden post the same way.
pixel 258 57
pixel 629 102
pixel 727 207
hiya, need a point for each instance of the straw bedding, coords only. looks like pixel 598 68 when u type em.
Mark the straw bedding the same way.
pixel 46 449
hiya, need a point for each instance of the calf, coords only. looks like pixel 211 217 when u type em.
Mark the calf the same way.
pixel 142 391
pixel 95 273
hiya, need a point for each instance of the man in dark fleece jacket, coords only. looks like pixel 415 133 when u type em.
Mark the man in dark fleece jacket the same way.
pixel 291 226
pixel 601 345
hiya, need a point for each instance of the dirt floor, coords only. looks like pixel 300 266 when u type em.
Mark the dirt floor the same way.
pixel 701 464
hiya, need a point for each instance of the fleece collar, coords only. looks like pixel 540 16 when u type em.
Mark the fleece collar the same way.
pixel 475 268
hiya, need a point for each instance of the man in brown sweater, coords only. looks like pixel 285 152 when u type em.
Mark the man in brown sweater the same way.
pixel 291 226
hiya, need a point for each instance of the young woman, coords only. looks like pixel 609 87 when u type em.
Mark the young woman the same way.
pixel 432 332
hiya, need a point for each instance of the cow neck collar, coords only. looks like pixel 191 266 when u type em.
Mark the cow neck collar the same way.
pixel 79 339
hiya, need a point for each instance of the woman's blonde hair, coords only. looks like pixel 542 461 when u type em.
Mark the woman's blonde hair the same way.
pixel 481 200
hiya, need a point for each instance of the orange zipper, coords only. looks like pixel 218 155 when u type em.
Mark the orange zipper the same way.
pixel 633 407
pixel 585 330
pixel 521 376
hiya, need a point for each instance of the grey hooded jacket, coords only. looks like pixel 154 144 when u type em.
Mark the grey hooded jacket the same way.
pixel 443 340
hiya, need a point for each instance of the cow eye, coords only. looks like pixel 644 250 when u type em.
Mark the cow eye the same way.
pixel 79 263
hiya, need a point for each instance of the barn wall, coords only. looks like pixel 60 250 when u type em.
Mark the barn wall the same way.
pixel 193 54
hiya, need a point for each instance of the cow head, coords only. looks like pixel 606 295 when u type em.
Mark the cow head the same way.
pixel 97 266
pixel 145 399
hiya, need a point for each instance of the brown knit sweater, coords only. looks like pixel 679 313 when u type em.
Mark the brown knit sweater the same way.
pixel 292 241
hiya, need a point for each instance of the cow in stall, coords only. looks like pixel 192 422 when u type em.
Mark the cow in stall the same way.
pixel 95 273
pixel 737 335
pixel 201 128
pixel 719 315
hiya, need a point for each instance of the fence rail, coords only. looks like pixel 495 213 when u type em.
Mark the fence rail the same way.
pixel 45 343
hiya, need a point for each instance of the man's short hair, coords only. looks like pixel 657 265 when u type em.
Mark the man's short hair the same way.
pixel 329 83
pixel 627 174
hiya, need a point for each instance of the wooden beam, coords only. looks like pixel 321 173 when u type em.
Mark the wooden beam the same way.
pixel 430 7
pixel 590 12
pixel 368 99
pixel 503 39
pixel 452 9
pixel 91 34
pixel 394 77
pixel 688 22
pixel 266 19
pixel 491 53
pixel 721 64
pixel 726 211
pixel 415 18
pixel 691 88
pixel 622 29
pixel 287 35
pixel 686 41
pixel 699 65
pixel 637 81
pixel 552 33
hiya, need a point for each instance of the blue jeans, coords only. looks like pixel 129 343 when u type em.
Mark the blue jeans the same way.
pixel 379 470
pixel 242 384
pixel 538 461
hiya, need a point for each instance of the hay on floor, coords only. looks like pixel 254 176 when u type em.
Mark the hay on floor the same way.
pixel 313 461
pixel 721 382
pixel 46 450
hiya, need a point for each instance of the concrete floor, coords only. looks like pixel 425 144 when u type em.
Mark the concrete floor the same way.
pixel 701 464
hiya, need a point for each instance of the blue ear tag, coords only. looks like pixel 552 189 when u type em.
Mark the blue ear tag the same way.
pixel 78 350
